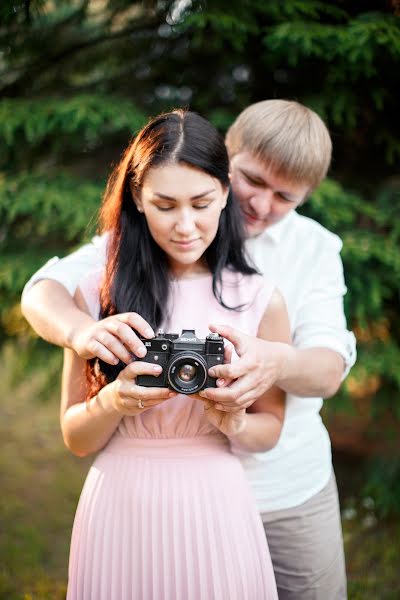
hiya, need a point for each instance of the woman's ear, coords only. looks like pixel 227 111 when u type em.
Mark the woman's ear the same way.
pixel 225 197
pixel 135 191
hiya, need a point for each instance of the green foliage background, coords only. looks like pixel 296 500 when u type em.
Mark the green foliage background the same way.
pixel 78 78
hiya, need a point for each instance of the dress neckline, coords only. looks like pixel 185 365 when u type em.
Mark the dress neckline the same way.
pixel 200 277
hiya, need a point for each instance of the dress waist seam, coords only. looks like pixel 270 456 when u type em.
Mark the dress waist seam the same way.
pixel 187 446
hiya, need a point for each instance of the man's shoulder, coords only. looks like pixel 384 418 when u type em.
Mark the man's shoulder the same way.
pixel 311 234
pixel 101 240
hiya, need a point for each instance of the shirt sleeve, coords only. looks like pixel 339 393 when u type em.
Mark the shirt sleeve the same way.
pixel 320 320
pixel 70 270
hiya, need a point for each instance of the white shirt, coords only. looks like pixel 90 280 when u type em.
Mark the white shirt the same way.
pixel 303 259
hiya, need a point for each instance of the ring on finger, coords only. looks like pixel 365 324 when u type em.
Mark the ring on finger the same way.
pixel 140 404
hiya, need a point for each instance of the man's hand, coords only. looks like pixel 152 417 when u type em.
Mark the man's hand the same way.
pixel 112 339
pixel 260 365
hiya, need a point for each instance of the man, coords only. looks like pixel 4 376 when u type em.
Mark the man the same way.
pixel 280 151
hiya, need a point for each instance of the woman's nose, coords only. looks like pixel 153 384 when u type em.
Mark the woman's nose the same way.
pixel 186 223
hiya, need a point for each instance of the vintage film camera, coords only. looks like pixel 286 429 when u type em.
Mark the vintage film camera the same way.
pixel 185 360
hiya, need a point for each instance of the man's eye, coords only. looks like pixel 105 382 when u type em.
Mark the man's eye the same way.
pixel 253 181
pixel 283 198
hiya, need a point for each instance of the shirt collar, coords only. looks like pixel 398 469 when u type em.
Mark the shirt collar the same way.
pixel 276 232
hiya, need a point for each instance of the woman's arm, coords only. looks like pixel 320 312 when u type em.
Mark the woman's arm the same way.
pixel 88 426
pixel 259 429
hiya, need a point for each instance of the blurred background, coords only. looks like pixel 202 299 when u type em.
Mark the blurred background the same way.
pixel 77 80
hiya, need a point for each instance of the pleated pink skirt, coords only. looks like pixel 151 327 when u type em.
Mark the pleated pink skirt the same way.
pixel 168 519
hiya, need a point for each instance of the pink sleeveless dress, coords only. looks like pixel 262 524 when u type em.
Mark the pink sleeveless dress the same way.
pixel 166 512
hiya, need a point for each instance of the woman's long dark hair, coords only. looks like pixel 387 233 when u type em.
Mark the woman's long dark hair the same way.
pixel 137 274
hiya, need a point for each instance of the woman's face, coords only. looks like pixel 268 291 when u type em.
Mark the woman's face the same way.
pixel 182 206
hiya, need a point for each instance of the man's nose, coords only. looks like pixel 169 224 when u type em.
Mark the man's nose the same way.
pixel 261 203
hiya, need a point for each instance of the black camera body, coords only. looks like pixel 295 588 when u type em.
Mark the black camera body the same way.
pixel 185 360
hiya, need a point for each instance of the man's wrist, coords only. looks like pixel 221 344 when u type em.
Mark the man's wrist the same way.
pixel 81 321
pixel 287 363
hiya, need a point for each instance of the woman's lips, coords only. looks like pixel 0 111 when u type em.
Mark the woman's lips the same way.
pixel 185 245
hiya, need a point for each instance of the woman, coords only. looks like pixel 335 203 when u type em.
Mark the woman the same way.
pixel 165 511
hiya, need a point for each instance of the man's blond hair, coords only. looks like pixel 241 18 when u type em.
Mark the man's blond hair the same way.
pixel 289 138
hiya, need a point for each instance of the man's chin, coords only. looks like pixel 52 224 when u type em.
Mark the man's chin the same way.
pixel 252 230
pixel 255 226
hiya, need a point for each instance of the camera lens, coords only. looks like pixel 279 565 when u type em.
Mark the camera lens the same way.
pixel 187 372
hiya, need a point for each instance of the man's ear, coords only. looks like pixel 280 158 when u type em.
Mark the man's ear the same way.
pixel 306 197
pixel 135 191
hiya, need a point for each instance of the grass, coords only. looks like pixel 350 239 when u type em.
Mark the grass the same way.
pixel 40 484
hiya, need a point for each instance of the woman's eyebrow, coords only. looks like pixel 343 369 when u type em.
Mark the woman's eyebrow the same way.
pixel 196 197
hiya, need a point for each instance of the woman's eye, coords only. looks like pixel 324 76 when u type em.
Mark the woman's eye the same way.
pixel 164 208
pixel 200 206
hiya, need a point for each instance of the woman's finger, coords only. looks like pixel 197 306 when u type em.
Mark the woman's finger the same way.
pixel 140 367
pixel 132 403
pixel 149 394
pixel 131 408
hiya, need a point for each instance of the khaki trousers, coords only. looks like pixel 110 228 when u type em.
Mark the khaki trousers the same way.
pixel 306 548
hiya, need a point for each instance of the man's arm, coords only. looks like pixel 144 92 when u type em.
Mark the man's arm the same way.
pixel 47 299
pixel 323 350
pixel 51 311
pixel 313 372
pixel 48 306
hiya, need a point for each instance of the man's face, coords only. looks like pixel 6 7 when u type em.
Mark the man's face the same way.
pixel 264 197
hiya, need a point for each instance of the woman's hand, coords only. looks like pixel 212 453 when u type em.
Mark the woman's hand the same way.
pixel 127 398
pixel 112 339
pixel 229 423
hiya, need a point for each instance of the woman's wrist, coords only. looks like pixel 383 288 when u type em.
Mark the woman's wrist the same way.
pixel 105 399
pixel 240 428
